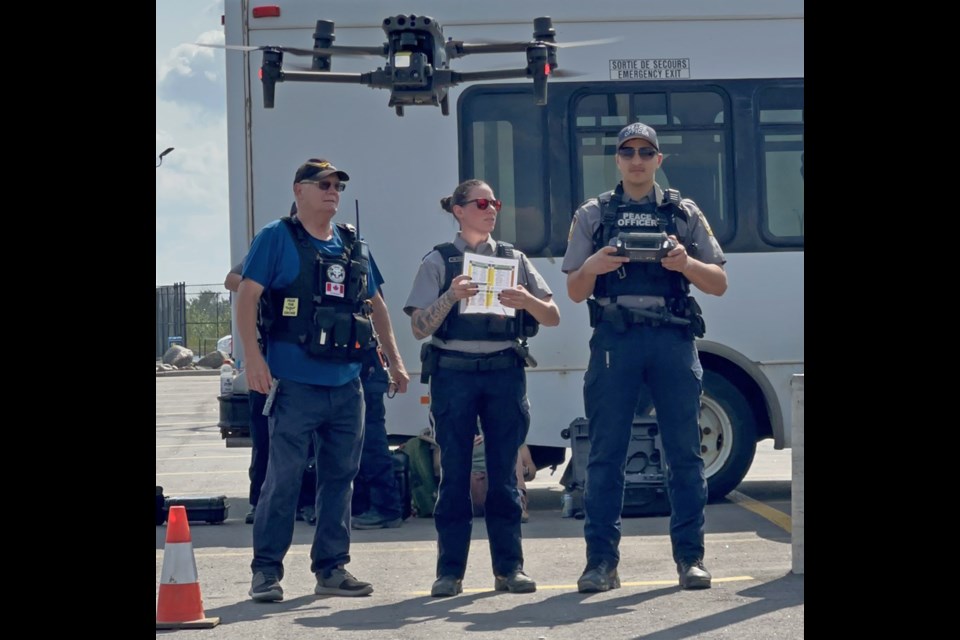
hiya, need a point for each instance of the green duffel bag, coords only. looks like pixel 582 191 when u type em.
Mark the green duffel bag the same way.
pixel 423 481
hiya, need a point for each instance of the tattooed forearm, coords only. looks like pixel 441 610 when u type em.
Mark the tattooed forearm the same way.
pixel 426 321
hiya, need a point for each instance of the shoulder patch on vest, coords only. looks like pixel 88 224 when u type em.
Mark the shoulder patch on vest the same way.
pixel 573 225
pixel 703 220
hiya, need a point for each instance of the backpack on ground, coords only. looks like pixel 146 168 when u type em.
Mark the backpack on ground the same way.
pixel 423 481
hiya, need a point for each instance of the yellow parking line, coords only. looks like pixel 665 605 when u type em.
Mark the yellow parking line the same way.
pixel 778 518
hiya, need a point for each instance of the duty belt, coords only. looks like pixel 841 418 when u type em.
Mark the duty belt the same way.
pixel 461 361
pixel 621 316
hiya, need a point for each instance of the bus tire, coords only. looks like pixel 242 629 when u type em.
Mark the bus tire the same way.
pixel 728 435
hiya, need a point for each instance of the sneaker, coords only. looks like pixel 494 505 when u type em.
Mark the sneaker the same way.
pixel 693 575
pixel 373 520
pixel 516 582
pixel 265 588
pixel 341 583
pixel 251 515
pixel 598 578
pixel 446 586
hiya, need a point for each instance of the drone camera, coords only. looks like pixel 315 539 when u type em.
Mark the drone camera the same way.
pixel 410 70
pixel 413 42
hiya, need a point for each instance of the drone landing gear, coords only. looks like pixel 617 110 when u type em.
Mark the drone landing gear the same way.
pixel 445 105
pixel 399 109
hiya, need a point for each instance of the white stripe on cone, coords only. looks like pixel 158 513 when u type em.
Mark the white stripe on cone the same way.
pixel 179 565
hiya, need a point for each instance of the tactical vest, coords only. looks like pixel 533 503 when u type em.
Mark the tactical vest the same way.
pixel 639 278
pixel 481 326
pixel 325 309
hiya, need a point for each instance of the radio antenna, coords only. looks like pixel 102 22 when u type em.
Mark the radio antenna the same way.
pixel 357 203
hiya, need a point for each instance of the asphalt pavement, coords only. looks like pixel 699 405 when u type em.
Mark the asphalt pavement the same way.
pixel 755 595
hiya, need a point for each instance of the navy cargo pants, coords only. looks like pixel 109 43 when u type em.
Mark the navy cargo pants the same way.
pixel 376 484
pixel 665 358
pixel 332 417
pixel 498 399
pixel 260 454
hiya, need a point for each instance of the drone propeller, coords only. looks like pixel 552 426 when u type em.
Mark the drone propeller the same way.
pixel 337 50
pixel 458 48
pixel 561 45
pixel 583 43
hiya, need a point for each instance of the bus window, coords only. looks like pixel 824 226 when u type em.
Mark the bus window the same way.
pixel 696 108
pixel 783 170
pixel 543 162
pixel 649 108
pixel 503 147
pixel 781 126
pixel 694 146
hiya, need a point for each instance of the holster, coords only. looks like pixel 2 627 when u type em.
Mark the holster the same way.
pixel 613 313
pixel 689 308
pixel 593 309
pixel 697 325
pixel 428 362
pixel 523 352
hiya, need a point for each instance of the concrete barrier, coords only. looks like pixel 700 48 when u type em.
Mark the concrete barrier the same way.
pixel 797 485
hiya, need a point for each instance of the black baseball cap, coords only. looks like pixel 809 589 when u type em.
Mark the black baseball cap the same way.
pixel 638 131
pixel 316 168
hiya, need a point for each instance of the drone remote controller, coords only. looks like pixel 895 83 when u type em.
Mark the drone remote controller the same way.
pixel 643 247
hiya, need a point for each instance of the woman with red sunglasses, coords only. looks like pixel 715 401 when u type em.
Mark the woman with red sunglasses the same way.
pixel 475 366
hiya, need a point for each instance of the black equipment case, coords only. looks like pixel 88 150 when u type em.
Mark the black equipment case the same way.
pixel 234 420
pixel 401 470
pixel 161 508
pixel 645 491
pixel 211 509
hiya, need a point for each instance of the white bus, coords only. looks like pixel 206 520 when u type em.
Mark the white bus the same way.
pixel 722 82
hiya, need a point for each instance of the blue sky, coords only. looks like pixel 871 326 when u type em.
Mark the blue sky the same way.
pixel 193 243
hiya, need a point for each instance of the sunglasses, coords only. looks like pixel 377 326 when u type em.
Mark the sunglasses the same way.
pixel 326 184
pixel 645 152
pixel 483 203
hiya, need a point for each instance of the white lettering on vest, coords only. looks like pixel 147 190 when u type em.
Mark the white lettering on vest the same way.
pixel 630 219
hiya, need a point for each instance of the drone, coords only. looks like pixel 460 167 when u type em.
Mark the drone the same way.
pixel 417 70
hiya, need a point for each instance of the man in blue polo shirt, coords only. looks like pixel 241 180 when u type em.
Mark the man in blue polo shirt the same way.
pixel 321 290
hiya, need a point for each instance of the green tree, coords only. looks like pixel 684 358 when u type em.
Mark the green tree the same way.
pixel 208 319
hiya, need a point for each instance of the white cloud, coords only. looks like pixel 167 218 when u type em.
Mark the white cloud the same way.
pixel 194 75
pixel 193 241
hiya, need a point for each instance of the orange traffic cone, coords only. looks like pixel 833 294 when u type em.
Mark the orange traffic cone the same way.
pixel 179 605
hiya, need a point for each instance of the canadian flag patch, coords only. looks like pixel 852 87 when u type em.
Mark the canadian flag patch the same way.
pixel 335 289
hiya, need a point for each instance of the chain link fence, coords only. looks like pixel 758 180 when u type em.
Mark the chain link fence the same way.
pixel 194 316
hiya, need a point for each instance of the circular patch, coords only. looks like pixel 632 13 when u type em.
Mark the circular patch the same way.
pixel 336 273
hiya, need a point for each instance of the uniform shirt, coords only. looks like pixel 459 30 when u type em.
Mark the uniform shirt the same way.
pixel 274 263
pixel 432 274
pixel 587 219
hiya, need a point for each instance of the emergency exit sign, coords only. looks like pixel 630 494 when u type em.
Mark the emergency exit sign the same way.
pixel 650 69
